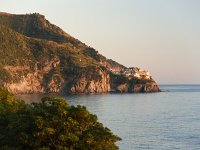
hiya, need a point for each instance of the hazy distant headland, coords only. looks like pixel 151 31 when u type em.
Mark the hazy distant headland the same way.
pixel 39 57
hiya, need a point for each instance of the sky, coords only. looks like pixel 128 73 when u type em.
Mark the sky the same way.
pixel 161 36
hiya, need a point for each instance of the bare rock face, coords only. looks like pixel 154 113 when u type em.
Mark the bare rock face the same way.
pixel 151 87
pixel 137 88
pixel 123 88
pixel 44 81
pixel 83 85
pixel 25 82
pixel 28 84
pixel 36 80
pixel 55 84
pixel 129 84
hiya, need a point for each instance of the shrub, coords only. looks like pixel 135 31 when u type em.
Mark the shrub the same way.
pixel 50 124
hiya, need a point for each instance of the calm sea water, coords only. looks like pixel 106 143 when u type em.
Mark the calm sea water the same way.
pixel 160 121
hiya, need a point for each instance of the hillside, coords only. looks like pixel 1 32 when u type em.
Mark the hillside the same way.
pixel 39 57
pixel 35 25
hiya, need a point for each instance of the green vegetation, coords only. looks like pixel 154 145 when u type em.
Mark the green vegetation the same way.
pixel 51 124
pixel 18 51
pixel 4 75
pixel 36 26
pixel 13 47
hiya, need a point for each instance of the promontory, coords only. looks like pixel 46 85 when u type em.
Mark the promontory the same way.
pixel 39 57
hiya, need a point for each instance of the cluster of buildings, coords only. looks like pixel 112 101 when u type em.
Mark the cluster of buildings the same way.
pixel 134 72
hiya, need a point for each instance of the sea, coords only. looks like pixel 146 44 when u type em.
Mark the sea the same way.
pixel 169 120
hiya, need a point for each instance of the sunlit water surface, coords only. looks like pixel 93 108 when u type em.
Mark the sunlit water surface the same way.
pixel 160 121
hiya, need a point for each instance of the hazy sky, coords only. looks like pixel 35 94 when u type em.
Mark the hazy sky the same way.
pixel 162 36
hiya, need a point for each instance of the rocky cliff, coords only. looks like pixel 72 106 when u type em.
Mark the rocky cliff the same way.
pixel 39 57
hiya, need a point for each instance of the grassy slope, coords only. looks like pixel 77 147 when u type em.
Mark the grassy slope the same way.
pixel 35 25
pixel 19 50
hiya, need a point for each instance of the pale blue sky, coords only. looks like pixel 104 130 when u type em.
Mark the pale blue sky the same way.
pixel 162 36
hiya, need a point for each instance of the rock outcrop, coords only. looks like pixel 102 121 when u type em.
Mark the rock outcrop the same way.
pixel 122 83
pixel 84 85
pixel 39 57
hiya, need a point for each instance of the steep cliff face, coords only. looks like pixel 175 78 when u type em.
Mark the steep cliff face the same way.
pixel 99 85
pixel 39 57
pixel 43 81
pixel 130 84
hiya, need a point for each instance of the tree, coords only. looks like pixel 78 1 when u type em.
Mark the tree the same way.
pixel 50 124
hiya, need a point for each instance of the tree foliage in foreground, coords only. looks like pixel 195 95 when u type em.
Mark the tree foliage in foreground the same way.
pixel 50 124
